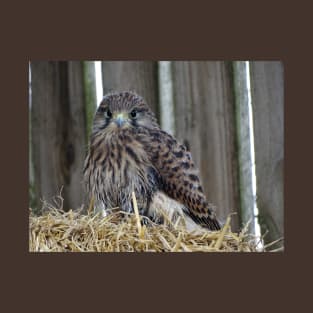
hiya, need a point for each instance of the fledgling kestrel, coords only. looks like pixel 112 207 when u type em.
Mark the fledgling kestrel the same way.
pixel 129 152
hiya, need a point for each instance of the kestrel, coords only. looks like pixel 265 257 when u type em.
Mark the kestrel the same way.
pixel 129 152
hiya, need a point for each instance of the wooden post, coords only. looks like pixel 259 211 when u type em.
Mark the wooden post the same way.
pixel 58 130
pixel 166 103
pixel 244 145
pixel 76 145
pixel 139 76
pixel 204 111
pixel 90 94
pixel 267 91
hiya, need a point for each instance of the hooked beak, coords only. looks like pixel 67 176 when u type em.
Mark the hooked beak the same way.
pixel 120 119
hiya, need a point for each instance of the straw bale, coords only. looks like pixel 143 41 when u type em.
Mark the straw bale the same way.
pixel 74 231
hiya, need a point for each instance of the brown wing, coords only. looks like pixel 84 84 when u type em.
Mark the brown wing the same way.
pixel 179 178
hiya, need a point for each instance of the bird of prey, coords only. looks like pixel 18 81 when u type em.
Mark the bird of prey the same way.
pixel 129 152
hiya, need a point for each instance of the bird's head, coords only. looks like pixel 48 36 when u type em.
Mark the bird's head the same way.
pixel 122 110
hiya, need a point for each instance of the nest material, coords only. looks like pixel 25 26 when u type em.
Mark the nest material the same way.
pixel 59 231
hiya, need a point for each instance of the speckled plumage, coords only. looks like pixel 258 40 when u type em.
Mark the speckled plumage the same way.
pixel 129 152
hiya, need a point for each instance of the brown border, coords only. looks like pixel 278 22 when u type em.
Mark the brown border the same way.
pixel 176 31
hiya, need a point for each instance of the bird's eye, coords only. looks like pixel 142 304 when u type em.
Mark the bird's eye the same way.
pixel 108 114
pixel 133 113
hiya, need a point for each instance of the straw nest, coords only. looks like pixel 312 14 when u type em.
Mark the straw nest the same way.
pixel 73 231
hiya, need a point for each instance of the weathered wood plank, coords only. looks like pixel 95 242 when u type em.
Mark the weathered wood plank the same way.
pixel 76 145
pixel 90 93
pixel 205 121
pixel 244 145
pixel 267 91
pixel 139 76
pixel 58 130
pixel 166 104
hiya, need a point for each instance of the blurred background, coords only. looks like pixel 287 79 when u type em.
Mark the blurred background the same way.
pixel 230 115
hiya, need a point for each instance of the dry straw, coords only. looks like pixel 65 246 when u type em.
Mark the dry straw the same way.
pixel 73 231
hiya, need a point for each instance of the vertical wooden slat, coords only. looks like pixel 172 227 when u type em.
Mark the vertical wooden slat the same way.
pixel 76 144
pixel 166 103
pixel 90 93
pixel 45 99
pixel 58 130
pixel 204 111
pixel 267 91
pixel 244 145
pixel 139 76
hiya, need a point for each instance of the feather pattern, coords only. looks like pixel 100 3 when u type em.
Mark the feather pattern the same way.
pixel 129 152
